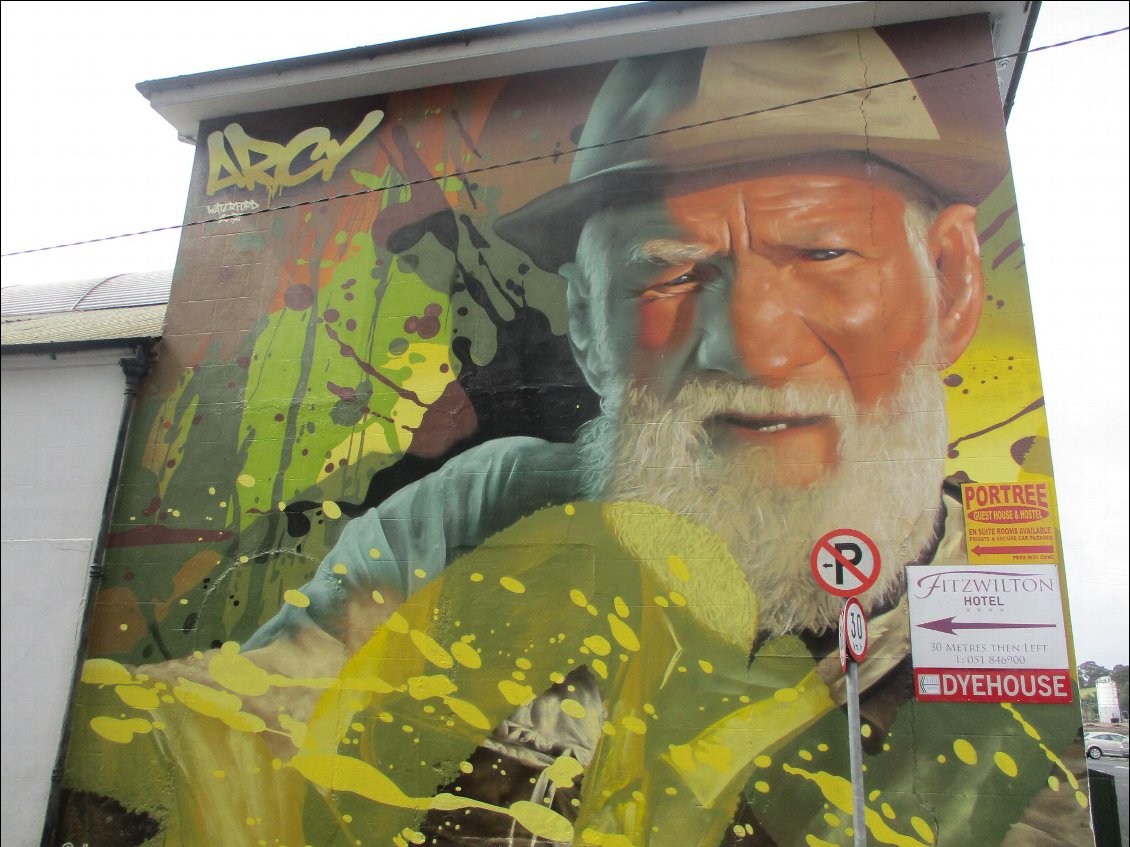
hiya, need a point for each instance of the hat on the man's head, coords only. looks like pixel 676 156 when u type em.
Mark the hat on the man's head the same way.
pixel 662 119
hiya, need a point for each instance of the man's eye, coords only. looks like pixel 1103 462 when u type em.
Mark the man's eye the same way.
pixel 824 254
pixel 684 283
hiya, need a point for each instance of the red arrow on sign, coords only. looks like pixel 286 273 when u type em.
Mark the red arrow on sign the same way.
pixel 1034 548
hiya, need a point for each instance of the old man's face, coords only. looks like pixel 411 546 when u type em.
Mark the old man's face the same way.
pixel 777 342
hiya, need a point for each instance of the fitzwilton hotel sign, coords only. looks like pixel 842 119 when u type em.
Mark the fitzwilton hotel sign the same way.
pixel 988 634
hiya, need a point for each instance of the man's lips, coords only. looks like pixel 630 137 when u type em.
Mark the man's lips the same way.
pixel 768 425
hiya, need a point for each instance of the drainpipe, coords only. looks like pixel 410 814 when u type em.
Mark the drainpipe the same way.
pixel 134 368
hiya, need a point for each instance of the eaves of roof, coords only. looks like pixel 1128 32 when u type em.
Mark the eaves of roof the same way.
pixel 559 41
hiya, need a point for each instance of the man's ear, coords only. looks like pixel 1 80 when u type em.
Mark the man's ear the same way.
pixel 579 304
pixel 956 253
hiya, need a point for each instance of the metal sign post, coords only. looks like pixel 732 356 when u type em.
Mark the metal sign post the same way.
pixel 845 563
pixel 855 753
pixel 853 632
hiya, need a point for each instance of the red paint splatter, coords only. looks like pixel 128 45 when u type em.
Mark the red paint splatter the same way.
pixel 299 297
pixel 350 353
pixel 1005 253
pixel 143 536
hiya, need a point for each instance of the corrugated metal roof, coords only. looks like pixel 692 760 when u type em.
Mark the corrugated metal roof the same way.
pixel 83 327
pixel 85 311
pixel 121 291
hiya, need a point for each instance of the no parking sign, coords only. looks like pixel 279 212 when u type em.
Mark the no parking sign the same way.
pixel 845 562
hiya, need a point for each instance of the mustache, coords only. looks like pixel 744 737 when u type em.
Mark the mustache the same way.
pixel 698 401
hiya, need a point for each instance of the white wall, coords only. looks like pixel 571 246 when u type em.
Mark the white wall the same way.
pixel 60 425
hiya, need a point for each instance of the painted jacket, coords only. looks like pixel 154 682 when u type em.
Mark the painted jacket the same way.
pixel 380 706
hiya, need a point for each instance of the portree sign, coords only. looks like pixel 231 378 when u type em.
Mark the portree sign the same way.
pixel 988 634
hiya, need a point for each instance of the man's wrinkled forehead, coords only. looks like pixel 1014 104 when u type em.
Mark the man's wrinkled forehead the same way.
pixel 651 228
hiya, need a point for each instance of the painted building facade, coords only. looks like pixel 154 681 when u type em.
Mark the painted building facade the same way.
pixel 498 479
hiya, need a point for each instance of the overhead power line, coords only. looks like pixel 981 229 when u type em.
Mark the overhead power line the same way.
pixel 557 154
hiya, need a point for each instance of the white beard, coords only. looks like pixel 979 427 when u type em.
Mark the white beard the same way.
pixel 887 483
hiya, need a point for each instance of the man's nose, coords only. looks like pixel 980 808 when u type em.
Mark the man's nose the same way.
pixel 761 331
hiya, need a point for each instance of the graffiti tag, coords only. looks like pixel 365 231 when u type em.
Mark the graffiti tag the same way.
pixel 232 209
pixel 236 158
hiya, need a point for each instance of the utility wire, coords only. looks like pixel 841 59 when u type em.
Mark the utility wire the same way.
pixel 571 151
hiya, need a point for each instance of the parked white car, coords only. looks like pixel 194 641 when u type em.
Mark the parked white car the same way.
pixel 1099 744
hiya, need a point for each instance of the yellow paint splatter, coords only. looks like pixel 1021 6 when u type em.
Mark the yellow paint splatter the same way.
pixel 763 761
pixel 761 786
pixel 431 649
pixel 374 553
pixel 813 841
pixel 682 756
pixel 476 577
pixel 925 832
pixel 340 569
pixel 515 693
pixel 331 510
pixel 466 767
pixel 677 598
pixel 524 663
pixel 420 573
pixel 570 509
pixel 296 598
pixel 964 751
pixel 1053 783
pixel 1006 763
pixel 1029 730
pixel 597 838
pixel 296 728
pixel 469 713
pixel 563 771
pixel 679 568
pixel 620 606
pixel 578 597
pixel 138 697
pixel 625 636
pixel 466 655
pixel 660 600
pixel 428 686
pixel 888 811
pixel 941 758
pixel 598 644
pixel 599 668
pixel 378 597
pixel 245 480
pixel 634 725
pixel 804 754
pixel 1081 799
pixel 105 672
pixel 831 820
pixel 865 730
pixel 238 673
pixel 120 731
pixel 217 704
pixel 837 791
pixel 572 708
pixel 512 585
pixel 397 623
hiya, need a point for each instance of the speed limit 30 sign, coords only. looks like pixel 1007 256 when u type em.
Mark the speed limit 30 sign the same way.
pixel 845 562
pixel 855 630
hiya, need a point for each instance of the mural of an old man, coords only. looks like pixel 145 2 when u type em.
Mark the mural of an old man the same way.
pixel 614 638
